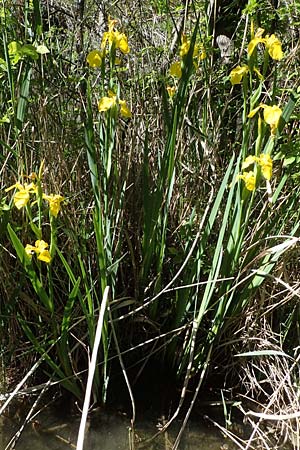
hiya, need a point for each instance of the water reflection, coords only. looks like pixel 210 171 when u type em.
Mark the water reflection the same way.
pixel 106 432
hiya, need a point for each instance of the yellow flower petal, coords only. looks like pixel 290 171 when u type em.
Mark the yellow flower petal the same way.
pixel 273 45
pixel 272 116
pixel 253 43
pixel 249 179
pixel 41 245
pixel 175 69
pixel 105 103
pixel 266 163
pixel 253 112
pixel 121 42
pixel 17 185
pixel 237 74
pixel 94 58
pixel 185 46
pixel 124 110
pixel 107 37
pixel 201 53
pixel 21 198
pixel 111 23
pixel 44 256
pixel 54 203
pixel 114 37
pixel 30 249
pixel 249 161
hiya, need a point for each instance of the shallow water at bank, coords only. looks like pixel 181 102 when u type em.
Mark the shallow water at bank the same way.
pixel 107 432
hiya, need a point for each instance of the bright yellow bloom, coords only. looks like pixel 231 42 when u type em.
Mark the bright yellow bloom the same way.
pixel 54 203
pixel 114 37
pixel 198 51
pixel 175 69
pixel 94 58
pixel 40 248
pixel 185 46
pixel 249 179
pixel 256 40
pixel 272 44
pixel 253 43
pixel 22 196
pixel 106 103
pixel 124 110
pixel 171 90
pixel 249 161
pixel 272 115
pixel 266 163
pixel 121 42
pixel 237 74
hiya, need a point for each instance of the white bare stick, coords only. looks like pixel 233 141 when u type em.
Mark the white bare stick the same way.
pixel 92 366
pixel 276 417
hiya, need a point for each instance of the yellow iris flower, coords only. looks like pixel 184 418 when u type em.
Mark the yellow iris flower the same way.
pixel 22 196
pixel 124 110
pixel 106 103
pixel 249 179
pixel 237 74
pixel 54 203
pixel 94 58
pixel 249 161
pixel 272 115
pixel 40 248
pixel 198 52
pixel 266 164
pixel 114 37
pixel 175 69
pixel 272 44
pixel 185 46
pixel 263 160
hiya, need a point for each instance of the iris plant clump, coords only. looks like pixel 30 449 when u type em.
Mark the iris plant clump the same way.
pixel 112 41
pixel 21 199
pixel 271 113
pixel 176 67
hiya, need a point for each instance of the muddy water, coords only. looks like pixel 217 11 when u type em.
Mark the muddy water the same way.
pixel 106 432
